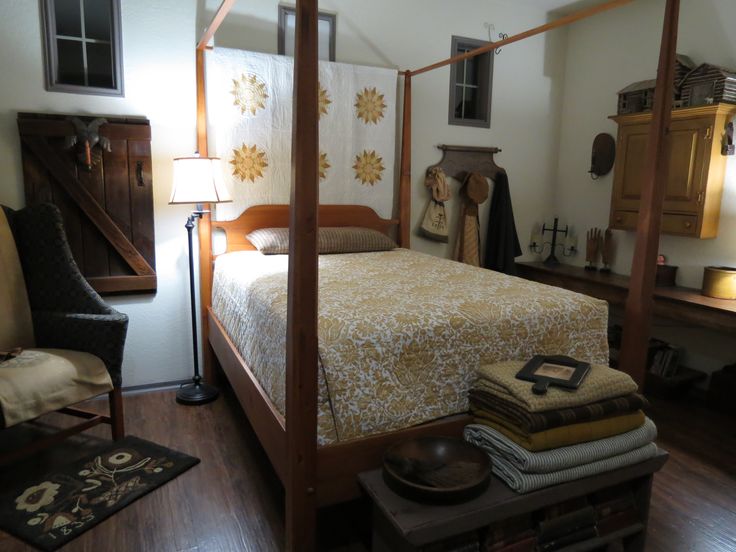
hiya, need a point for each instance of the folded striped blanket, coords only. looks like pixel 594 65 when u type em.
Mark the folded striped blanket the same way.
pixel 498 445
pixel 521 482
pixel 531 422
pixel 601 383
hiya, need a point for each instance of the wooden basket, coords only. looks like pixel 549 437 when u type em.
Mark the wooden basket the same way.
pixel 719 282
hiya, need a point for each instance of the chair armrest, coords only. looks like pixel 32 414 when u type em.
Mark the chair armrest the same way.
pixel 102 335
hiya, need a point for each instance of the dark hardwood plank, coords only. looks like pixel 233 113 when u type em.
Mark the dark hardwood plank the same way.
pixel 141 199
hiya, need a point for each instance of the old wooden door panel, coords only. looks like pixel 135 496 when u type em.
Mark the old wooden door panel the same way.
pixel 108 210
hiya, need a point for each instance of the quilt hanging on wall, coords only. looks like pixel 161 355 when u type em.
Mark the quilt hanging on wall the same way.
pixel 249 110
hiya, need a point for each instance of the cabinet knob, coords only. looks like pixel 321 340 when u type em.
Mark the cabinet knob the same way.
pixel 619 218
pixel 688 224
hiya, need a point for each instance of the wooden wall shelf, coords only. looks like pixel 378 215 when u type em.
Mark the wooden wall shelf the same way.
pixel 676 303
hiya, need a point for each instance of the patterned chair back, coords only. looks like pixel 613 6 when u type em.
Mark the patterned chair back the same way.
pixel 16 326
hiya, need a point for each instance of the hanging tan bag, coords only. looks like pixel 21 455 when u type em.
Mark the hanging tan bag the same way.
pixel 434 224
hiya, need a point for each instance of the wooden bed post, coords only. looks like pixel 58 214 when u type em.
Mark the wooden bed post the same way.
pixel 204 231
pixel 639 304
pixel 204 228
pixel 405 179
pixel 301 333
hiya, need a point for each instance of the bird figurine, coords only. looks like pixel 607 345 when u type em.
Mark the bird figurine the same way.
pixel 85 138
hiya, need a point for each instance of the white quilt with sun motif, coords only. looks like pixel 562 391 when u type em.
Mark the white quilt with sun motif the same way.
pixel 249 114
pixel 401 333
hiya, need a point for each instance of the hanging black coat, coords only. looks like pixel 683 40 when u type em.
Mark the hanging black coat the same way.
pixel 502 242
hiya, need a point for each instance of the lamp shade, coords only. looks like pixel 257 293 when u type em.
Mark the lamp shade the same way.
pixel 198 180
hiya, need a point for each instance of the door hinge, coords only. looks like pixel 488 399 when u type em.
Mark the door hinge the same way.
pixel 701 195
pixel 708 133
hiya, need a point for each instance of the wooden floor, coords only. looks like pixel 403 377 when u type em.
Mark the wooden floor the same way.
pixel 233 501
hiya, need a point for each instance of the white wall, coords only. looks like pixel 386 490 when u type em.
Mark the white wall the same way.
pixel 605 54
pixel 413 33
pixel 158 54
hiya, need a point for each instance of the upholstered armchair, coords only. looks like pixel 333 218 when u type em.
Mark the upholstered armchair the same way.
pixel 71 343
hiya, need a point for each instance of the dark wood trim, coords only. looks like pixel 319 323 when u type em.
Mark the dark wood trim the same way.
pixel 680 304
pixel 215 23
pixel 566 20
pixel 639 304
pixel 51 60
pixel 59 126
pixel 265 418
pixel 301 323
pixel 404 237
pixel 122 284
pixel 89 206
pixel 285 10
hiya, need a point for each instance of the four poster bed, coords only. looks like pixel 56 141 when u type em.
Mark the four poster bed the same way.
pixel 291 410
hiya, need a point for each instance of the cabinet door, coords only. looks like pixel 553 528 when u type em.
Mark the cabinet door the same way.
pixel 686 145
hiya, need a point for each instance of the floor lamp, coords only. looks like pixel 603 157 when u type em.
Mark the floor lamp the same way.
pixel 197 180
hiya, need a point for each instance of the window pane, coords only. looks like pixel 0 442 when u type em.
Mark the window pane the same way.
pixel 99 65
pixel 458 102
pixel 471 107
pixel 97 19
pixel 460 71
pixel 71 64
pixel 68 17
pixel 471 71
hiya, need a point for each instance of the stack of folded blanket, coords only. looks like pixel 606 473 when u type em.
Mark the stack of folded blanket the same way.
pixel 540 440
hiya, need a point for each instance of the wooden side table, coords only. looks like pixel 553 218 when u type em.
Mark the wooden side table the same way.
pixel 401 525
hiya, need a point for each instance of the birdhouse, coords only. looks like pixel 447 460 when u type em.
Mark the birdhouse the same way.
pixel 708 84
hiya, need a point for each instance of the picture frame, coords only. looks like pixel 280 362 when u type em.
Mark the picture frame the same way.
pixel 327 25
pixel 557 370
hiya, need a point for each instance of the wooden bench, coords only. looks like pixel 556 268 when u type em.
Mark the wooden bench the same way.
pixel 401 525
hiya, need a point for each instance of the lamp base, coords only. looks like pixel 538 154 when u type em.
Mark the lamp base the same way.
pixel 196 393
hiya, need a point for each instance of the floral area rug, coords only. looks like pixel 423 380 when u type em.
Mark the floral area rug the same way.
pixel 50 511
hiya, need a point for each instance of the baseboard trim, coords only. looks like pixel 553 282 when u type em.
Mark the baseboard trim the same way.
pixel 149 387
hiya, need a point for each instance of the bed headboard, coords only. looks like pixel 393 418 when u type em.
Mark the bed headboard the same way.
pixel 277 216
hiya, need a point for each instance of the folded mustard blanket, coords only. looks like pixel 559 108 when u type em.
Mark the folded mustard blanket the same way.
pixel 601 383
pixel 561 436
pixel 531 422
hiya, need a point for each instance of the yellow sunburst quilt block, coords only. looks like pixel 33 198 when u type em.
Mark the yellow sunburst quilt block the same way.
pixel 368 167
pixel 324 164
pixel 249 162
pixel 250 93
pixel 324 101
pixel 370 105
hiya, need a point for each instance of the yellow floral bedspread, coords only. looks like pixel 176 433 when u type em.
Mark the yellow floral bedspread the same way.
pixel 400 333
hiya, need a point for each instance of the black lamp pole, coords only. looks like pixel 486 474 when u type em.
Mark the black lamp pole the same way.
pixel 196 392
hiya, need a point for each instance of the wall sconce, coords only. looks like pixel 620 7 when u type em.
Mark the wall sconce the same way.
pixel 569 245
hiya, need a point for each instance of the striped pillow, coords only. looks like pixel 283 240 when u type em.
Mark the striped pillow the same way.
pixel 344 239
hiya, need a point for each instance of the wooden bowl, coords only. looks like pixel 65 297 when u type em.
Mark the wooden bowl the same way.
pixel 436 469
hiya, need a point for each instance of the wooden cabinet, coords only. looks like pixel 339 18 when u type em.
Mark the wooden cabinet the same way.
pixel 692 203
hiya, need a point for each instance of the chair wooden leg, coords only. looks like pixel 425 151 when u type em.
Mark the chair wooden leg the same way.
pixel 117 416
